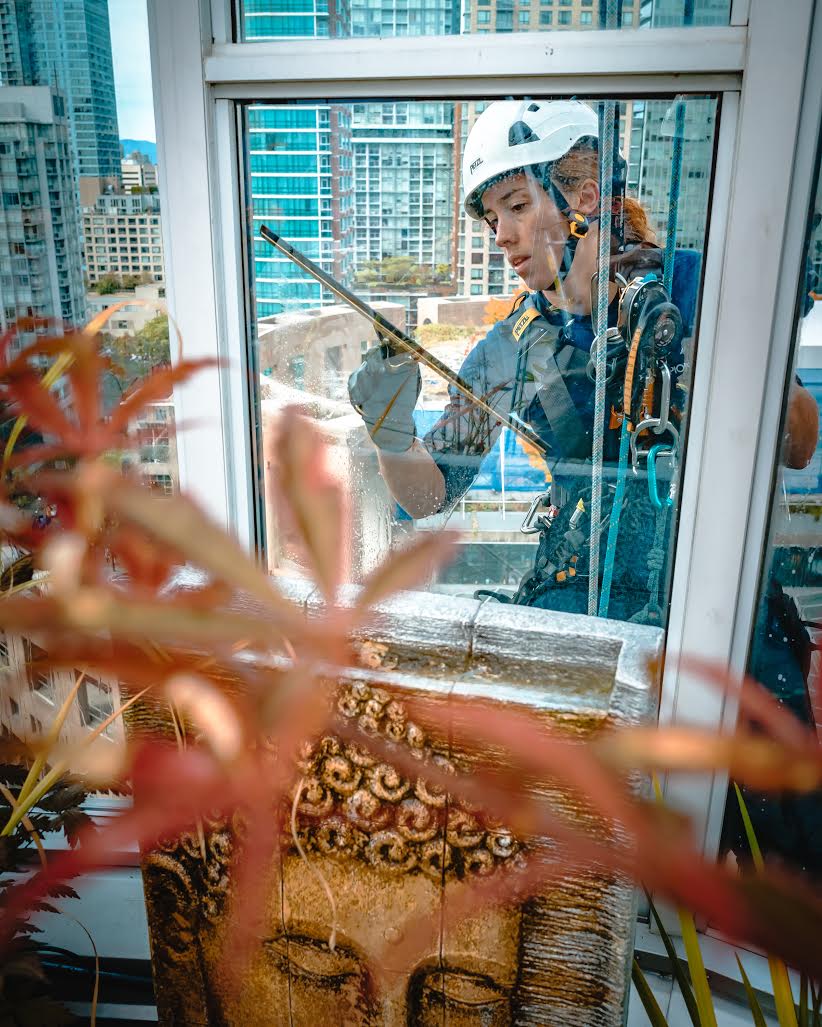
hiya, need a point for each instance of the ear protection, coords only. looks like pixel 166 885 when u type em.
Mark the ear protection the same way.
pixel 578 224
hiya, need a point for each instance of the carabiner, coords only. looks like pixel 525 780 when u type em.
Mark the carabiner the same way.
pixel 664 401
pixel 610 335
pixel 543 520
pixel 659 450
pixel 657 427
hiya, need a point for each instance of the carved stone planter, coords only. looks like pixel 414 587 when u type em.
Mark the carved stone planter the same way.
pixel 391 849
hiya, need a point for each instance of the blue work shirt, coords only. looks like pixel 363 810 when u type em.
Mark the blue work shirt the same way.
pixel 496 370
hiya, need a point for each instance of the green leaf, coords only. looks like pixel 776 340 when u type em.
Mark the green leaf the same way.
pixel 655 1015
pixel 816 999
pixel 699 979
pixel 753 1001
pixel 780 981
pixel 676 966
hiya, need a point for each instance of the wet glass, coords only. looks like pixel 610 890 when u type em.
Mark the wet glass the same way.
pixel 371 192
pixel 289 19
pixel 787 631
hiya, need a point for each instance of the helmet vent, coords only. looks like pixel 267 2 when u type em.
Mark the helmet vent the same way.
pixel 521 133
pixel 533 108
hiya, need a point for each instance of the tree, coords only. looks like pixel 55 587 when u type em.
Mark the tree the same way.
pixel 107 284
pixel 430 334
pixel 400 272
pixel 138 354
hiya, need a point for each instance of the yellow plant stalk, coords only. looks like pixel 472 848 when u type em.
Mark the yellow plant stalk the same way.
pixel 43 862
pixel 61 766
pixel 699 979
pixel 35 837
pixel 50 740
pixel 60 365
pixel 780 981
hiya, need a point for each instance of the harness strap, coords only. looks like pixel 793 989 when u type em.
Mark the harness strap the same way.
pixel 555 399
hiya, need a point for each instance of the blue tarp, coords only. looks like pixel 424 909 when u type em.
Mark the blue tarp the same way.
pixel 520 473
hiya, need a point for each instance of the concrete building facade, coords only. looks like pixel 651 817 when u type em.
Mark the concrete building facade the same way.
pixel 30 696
pixel 41 269
pixel 138 174
pixel 140 306
pixel 123 236
pixel 403 168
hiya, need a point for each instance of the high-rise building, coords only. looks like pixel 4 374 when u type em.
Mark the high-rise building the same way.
pixel 16 44
pixel 652 130
pixel 41 271
pixel 481 266
pixel 275 19
pixel 405 17
pixel 300 165
pixel 123 237
pixel 403 168
pixel 138 174
pixel 67 44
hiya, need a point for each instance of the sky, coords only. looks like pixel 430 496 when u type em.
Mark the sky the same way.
pixel 132 69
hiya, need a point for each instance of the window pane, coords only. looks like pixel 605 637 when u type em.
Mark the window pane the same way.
pixel 788 628
pixel 394 230
pixel 96 702
pixel 287 19
pixel 39 680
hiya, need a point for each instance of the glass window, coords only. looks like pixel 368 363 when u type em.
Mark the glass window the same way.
pixel 285 19
pixel 783 653
pixel 39 679
pixel 546 17
pixel 96 702
pixel 411 251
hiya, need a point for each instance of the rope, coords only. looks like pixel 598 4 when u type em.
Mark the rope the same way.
pixel 606 164
pixel 673 197
pixel 622 470
pixel 652 611
pixel 613 526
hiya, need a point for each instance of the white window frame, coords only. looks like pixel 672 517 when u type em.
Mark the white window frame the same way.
pixel 757 66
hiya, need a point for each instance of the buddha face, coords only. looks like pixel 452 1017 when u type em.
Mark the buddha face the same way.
pixel 390 850
pixel 465 978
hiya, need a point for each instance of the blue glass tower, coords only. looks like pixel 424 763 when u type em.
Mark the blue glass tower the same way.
pixel 300 163
pixel 66 44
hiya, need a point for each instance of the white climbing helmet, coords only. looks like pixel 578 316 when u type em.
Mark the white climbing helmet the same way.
pixel 514 134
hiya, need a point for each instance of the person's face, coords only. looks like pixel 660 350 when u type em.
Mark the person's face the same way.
pixel 465 978
pixel 528 227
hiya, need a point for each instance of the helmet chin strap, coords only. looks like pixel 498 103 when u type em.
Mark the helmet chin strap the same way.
pixel 578 226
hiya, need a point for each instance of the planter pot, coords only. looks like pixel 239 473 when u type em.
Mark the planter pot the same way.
pixel 391 849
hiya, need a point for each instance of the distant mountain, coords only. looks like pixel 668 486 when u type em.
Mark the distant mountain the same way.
pixel 143 145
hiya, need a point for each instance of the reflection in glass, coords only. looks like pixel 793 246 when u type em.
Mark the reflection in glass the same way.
pixel 784 648
pixel 371 192
pixel 288 19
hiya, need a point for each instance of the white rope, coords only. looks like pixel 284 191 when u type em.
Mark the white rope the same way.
pixel 606 164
